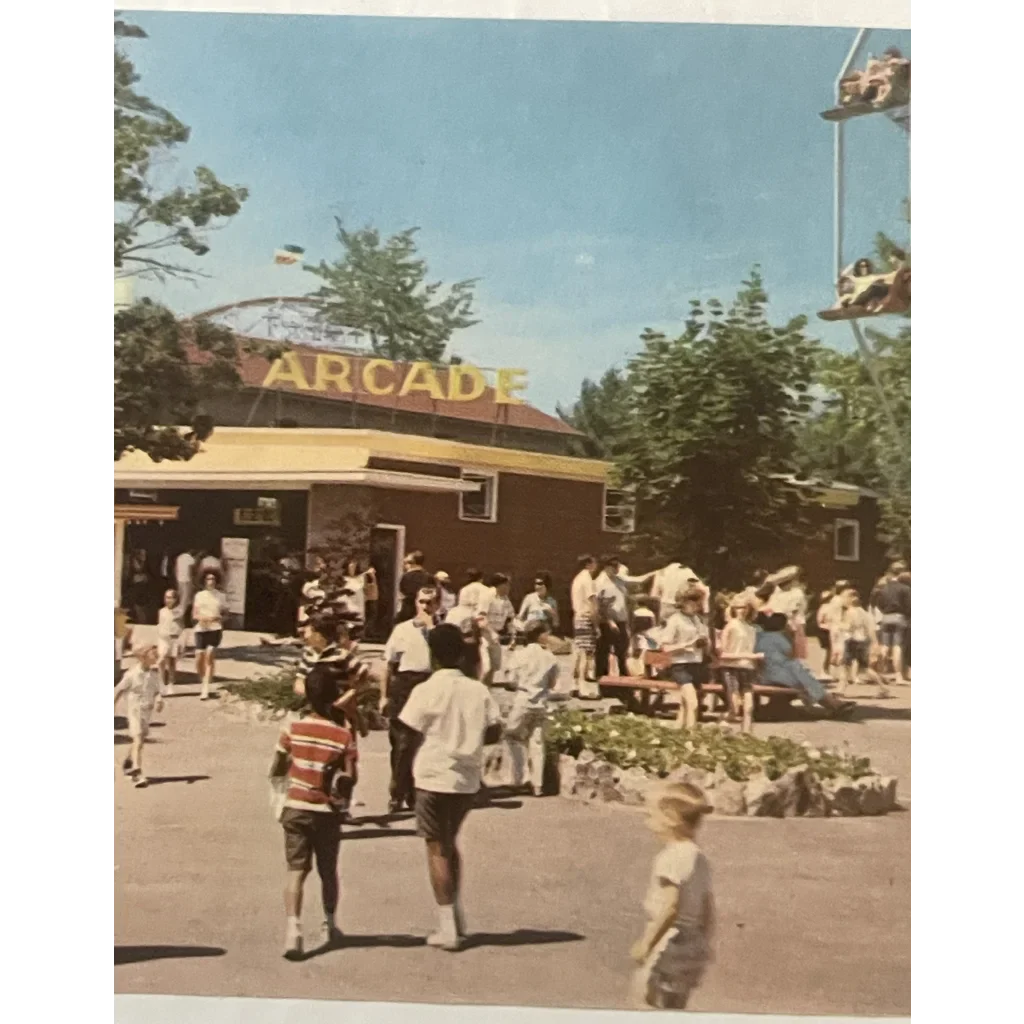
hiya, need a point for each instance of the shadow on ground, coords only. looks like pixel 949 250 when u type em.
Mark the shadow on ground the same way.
pixel 160 780
pixel 520 937
pixel 140 954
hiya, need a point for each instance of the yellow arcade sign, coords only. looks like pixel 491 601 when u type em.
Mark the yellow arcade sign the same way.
pixel 346 375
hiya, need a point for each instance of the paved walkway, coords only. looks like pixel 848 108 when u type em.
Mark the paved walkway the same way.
pixel 814 915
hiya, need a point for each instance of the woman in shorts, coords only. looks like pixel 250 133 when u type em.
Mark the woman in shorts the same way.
pixel 208 608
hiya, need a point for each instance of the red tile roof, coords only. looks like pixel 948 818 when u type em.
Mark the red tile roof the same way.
pixel 254 369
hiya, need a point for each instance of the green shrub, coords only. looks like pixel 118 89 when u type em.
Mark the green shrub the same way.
pixel 275 692
pixel 634 742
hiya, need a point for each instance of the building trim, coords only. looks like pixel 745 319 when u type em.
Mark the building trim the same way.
pixel 299 480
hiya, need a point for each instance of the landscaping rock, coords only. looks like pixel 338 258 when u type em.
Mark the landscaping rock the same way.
pixel 816 804
pixel 877 795
pixel 694 776
pixel 635 785
pixel 788 793
pixel 567 775
pixel 758 796
pixel 842 795
pixel 728 797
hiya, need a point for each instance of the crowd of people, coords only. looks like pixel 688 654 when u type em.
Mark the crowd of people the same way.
pixel 448 644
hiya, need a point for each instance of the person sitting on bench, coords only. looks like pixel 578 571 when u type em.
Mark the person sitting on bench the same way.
pixel 780 668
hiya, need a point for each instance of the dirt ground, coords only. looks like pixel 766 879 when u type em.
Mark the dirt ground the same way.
pixel 814 915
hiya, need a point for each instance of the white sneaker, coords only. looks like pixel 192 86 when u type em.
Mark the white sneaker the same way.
pixel 440 941
pixel 293 946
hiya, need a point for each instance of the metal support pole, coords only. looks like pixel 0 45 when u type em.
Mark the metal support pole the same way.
pixel 839 155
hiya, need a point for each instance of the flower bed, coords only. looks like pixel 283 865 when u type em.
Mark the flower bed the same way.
pixel 275 696
pixel 623 758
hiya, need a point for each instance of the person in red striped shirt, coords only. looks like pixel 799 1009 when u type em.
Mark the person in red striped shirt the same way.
pixel 317 752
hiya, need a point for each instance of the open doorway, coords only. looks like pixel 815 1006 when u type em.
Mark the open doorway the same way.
pixel 387 552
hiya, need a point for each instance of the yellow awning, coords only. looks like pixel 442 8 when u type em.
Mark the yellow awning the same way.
pixel 297 458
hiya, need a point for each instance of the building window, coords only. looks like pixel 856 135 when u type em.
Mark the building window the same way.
pixel 481 505
pixel 619 511
pixel 847 540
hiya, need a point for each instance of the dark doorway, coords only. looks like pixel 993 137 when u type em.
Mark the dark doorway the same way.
pixel 385 554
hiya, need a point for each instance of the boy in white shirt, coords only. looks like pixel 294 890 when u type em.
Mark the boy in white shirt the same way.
pixel 456 716
pixel 169 629
pixel 535 672
pixel 143 690
pixel 584 626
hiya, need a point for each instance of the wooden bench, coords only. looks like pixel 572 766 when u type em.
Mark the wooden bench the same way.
pixel 768 698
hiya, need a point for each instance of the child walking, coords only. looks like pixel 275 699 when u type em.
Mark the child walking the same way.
pixel 675 948
pixel 169 628
pixel 143 691
pixel 685 637
pixel 316 754
pixel 860 644
pixel 535 671
pixel 737 654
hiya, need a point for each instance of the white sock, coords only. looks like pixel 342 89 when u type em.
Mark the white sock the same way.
pixel 446 919
pixel 293 929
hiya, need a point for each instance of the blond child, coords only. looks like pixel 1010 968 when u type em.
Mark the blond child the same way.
pixel 169 628
pixel 736 653
pixel 143 690
pixel 675 948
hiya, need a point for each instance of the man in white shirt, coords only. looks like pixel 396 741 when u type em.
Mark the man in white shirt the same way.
pixel 475 594
pixel 612 618
pixel 407 657
pixel 669 583
pixel 184 580
pixel 455 716
pixel 582 595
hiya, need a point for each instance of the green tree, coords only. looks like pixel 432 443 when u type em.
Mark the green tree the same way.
pixel 711 420
pixel 380 289
pixel 854 435
pixel 599 415
pixel 164 372
pixel 151 224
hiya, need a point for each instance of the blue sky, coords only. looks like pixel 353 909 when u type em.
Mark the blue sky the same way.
pixel 594 176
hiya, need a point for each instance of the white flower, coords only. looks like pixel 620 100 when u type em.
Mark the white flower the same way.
pixel 630 754
pixel 688 745
pixel 577 728
pixel 614 734
pixel 815 755
pixel 655 743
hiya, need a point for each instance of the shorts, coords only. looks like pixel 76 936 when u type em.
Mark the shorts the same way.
pixel 892 630
pixel 584 634
pixel 168 647
pixel 695 673
pixel 309 834
pixel 858 651
pixel 439 816
pixel 208 638
pixel 138 721
pixel 739 680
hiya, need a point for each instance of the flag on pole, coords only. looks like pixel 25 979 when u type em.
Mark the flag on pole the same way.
pixel 288 254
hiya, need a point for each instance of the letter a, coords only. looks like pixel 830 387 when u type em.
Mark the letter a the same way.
pixel 287 370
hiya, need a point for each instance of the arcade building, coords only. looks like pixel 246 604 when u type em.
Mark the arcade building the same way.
pixel 447 460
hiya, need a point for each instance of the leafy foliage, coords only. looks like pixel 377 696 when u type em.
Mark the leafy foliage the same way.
pixel 851 437
pixel 710 419
pixel 150 223
pixel 158 387
pixel 599 414
pixel 275 692
pixel 380 289
pixel 348 537
pixel 637 742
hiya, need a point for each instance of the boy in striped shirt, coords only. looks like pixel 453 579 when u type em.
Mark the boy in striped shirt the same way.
pixel 318 754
